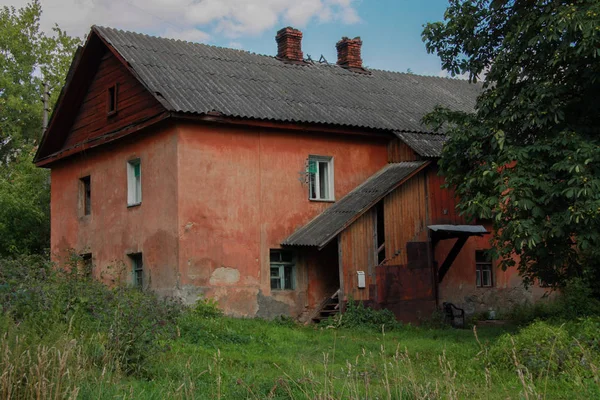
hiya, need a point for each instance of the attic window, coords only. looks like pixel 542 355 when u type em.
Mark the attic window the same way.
pixel 112 100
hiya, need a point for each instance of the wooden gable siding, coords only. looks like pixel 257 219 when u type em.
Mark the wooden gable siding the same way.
pixel 357 253
pixel 134 103
pixel 405 218
pixel 399 151
pixel 442 202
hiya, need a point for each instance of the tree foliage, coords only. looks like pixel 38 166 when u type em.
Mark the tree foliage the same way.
pixel 528 157
pixel 28 58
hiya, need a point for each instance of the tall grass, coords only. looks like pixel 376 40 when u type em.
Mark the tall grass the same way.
pixel 63 336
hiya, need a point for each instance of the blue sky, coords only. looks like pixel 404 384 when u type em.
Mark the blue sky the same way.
pixel 390 29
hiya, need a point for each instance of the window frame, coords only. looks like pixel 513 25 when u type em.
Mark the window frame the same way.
pixel 137 270
pixel 134 196
pixel 480 266
pixel 111 99
pixel 281 265
pixel 329 161
pixel 85 193
pixel 87 263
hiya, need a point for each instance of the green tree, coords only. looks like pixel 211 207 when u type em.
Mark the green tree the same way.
pixel 528 157
pixel 28 58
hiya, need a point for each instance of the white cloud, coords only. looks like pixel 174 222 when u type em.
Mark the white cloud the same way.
pixel 193 20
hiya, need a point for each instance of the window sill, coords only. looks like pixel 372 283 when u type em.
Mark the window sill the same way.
pixel 484 287
pixel 282 290
pixel 134 205
pixel 322 201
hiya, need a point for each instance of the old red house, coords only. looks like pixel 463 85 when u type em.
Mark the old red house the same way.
pixel 268 183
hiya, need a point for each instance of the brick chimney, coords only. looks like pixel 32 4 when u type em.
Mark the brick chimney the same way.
pixel 348 51
pixel 289 45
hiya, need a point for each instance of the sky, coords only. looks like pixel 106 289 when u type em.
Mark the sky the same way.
pixel 390 29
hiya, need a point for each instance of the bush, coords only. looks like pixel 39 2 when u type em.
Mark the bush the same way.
pixel 128 325
pixel 546 348
pixel 576 300
pixel 357 315
pixel 207 308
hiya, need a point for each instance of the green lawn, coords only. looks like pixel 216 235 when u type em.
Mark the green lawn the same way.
pixel 233 359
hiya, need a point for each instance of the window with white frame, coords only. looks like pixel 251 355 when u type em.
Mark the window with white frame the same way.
pixel 483 265
pixel 320 178
pixel 283 269
pixel 134 182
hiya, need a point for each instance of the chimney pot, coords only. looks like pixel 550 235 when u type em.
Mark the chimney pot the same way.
pixel 289 44
pixel 349 53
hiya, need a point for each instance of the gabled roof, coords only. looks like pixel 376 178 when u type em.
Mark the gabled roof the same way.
pixel 327 225
pixel 424 144
pixel 198 79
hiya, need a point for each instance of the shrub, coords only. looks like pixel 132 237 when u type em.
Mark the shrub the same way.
pixel 207 308
pixel 128 324
pixel 545 348
pixel 357 315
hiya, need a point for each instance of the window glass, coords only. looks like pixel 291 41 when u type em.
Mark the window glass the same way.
pixel 134 182
pixel 283 269
pixel 86 195
pixel 320 178
pixel 483 269
pixel 137 267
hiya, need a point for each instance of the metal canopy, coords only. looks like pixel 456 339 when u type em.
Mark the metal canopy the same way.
pixel 462 232
pixel 455 231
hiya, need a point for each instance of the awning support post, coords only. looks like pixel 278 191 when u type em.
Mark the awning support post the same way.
pixel 451 257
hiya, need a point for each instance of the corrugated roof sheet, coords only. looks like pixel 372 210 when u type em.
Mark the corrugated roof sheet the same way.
pixel 197 78
pixel 474 229
pixel 333 220
pixel 424 144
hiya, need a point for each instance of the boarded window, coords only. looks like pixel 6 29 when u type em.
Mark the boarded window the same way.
pixel 86 195
pixel 283 269
pixel 134 182
pixel 483 273
pixel 137 268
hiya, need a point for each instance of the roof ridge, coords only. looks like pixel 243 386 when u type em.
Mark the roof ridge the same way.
pixel 269 56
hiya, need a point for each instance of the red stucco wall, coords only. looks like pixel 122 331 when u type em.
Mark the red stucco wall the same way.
pixel 459 286
pixel 241 194
pixel 114 230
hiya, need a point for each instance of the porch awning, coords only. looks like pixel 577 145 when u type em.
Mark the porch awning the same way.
pixel 327 225
pixel 460 232
pixel 442 232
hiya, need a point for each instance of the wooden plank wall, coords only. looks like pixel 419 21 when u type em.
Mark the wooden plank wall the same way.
pixel 442 202
pixel 405 216
pixel 134 103
pixel 399 151
pixel 357 253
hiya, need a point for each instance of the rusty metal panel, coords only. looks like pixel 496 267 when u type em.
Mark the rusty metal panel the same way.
pixel 417 254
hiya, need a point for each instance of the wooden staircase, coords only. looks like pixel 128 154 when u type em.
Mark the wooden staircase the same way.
pixel 329 308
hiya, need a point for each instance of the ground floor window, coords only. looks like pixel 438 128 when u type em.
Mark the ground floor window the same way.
pixel 86 264
pixel 137 267
pixel 283 269
pixel 484 270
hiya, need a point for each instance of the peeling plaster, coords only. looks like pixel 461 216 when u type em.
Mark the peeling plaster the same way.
pixel 224 276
